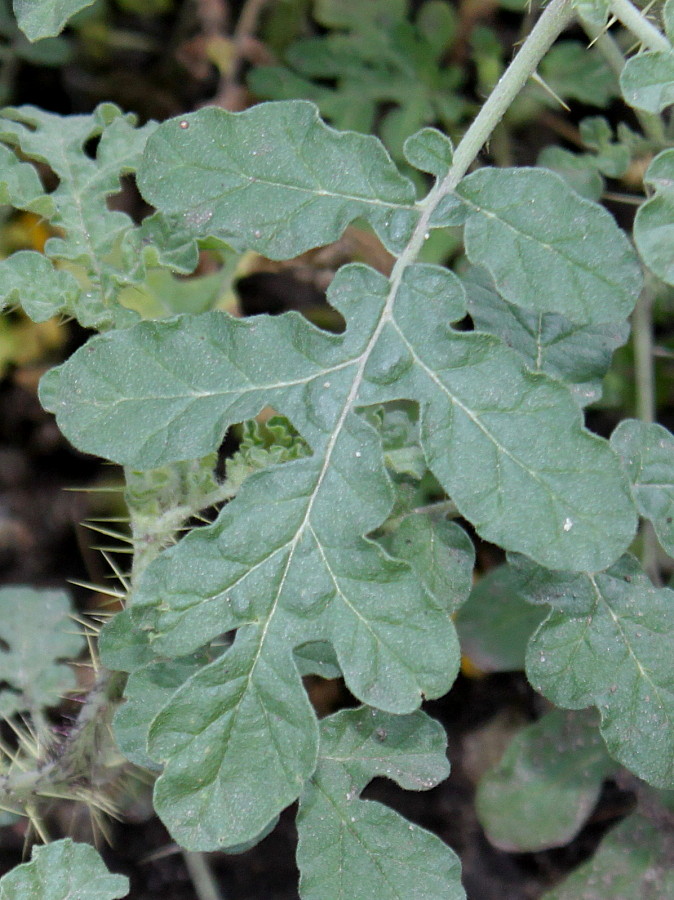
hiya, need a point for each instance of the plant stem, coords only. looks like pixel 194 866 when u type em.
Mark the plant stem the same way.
pixel 205 885
pixel 636 22
pixel 644 376
pixel 642 340
pixel 545 32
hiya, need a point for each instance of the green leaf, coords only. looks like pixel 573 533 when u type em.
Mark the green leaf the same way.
pixel 349 847
pixel 38 637
pixel 654 222
pixel 578 355
pixel 576 72
pixel 633 860
pixel 298 186
pixel 20 185
pixel 606 643
pixel 46 18
pixel 576 263
pixel 546 785
pixel 147 690
pixel 63 871
pixel 668 19
pixel 354 14
pixel 647 80
pixel 495 623
pixel 166 391
pixel 578 170
pixel 100 246
pixel 647 453
pixel 440 553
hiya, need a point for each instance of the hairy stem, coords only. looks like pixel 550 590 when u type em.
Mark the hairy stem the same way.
pixel 644 376
pixel 636 22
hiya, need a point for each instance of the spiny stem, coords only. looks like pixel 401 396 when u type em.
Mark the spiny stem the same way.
pixel 636 22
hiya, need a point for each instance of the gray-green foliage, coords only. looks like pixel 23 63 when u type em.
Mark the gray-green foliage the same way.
pixel 38 637
pixel 327 560
pixel 63 870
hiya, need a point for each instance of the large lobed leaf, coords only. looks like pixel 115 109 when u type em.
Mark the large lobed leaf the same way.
pixel 349 847
pixel 288 564
pixel 607 643
pixel 304 181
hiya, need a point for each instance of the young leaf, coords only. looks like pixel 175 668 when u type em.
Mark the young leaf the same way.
pixel 63 871
pixel 606 643
pixel 30 279
pixel 275 179
pixel 647 81
pixel 546 785
pixel 647 453
pixel 100 245
pixel 576 263
pixel 38 637
pixel 20 185
pixel 349 847
pixel 46 18
pixel 578 355
pixel 654 222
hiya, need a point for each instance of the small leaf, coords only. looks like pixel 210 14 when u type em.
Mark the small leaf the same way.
pixel 577 72
pixel 647 453
pixel 63 871
pixel 495 623
pixel 46 18
pixel 354 848
pixel 429 150
pixel 546 785
pixel 578 355
pixel 576 263
pixel 297 186
pixel 20 185
pixel 654 223
pixel 38 636
pixel 606 643
pixel 647 80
